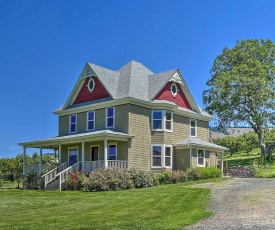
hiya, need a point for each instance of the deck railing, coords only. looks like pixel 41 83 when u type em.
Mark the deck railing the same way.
pixel 34 168
pixel 89 166
pixel 64 174
pixel 51 175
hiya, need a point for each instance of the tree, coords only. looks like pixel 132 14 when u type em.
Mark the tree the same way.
pixel 242 87
pixel 229 142
pixel 249 141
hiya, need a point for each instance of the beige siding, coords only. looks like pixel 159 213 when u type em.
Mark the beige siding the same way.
pixel 157 137
pixel 100 119
pixel 81 122
pixel 181 159
pixel 121 120
pixel 140 146
pixel 63 125
pixel 181 130
pixel 203 130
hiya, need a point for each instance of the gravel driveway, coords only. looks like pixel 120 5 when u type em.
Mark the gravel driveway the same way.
pixel 240 203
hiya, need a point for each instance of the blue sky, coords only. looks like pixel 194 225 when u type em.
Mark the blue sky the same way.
pixel 45 45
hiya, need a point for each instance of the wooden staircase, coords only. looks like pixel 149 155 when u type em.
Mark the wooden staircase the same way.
pixel 53 185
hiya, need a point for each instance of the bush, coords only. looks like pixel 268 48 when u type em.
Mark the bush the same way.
pixel 142 179
pixel 211 172
pixel 75 181
pixel 33 181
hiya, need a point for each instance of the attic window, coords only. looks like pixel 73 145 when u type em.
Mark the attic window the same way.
pixel 174 89
pixel 91 85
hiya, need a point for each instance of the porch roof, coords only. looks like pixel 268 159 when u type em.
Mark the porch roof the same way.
pixel 196 142
pixel 68 139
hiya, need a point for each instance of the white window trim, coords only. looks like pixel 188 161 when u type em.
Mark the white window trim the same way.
pixel 199 165
pixel 163 146
pixel 91 146
pixel 174 84
pixel 171 157
pixel 106 118
pixel 73 147
pixel 91 90
pixel 87 124
pixel 108 150
pixel 73 123
pixel 192 119
pixel 172 119
pixel 163 120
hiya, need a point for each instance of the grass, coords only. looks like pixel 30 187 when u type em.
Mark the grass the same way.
pixel 241 158
pixel 162 207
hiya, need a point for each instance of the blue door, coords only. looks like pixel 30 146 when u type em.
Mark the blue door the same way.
pixel 73 156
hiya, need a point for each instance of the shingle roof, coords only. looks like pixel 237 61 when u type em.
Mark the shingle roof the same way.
pixel 192 141
pixel 133 80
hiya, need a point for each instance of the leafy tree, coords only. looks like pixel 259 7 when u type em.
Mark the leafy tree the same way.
pixel 230 142
pixel 248 141
pixel 242 87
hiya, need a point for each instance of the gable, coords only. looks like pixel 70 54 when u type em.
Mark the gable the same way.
pixel 84 95
pixel 179 99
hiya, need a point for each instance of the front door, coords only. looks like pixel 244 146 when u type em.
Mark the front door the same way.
pixel 94 153
pixel 73 156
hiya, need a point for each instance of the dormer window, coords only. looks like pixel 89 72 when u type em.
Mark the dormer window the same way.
pixel 91 84
pixel 174 89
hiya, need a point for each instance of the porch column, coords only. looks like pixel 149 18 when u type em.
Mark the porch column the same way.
pixel 82 160
pixel 40 160
pixel 105 153
pixel 222 164
pixel 55 154
pixel 24 160
pixel 59 153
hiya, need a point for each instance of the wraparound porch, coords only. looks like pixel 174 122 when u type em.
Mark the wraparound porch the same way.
pixel 98 149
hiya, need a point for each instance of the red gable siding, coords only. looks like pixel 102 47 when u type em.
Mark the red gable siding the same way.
pixel 85 95
pixel 180 99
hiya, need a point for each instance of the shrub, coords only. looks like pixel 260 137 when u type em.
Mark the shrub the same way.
pixel 109 179
pixel 75 181
pixel 193 174
pixel 209 173
pixel 33 181
pixel 142 179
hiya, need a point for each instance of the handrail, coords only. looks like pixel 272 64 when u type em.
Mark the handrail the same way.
pixel 51 175
pixel 64 174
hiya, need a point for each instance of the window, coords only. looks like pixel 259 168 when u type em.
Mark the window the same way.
pixel 161 156
pixel 156 156
pixel 201 158
pixel 91 85
pixel 73 123
pixel 174 89
pixel 110 115
pixel 162 120
pixel 112 152
pixel 91 120
pixel 157 119
pixel 193 127
pixel 168 123
pixel 168 156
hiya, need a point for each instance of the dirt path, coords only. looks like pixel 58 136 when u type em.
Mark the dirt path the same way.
pixel 240 203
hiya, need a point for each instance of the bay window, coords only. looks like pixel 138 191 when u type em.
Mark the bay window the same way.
pixel 201 158
pixel 110 117
pixel 193 127
pixel 162 120
pixel 91 120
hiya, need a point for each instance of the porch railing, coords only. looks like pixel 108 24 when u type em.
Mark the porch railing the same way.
pixel 34 168
pixel 64 174
pixel 89 166
pixel 51 175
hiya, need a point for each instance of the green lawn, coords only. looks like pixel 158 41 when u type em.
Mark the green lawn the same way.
pixel 162 207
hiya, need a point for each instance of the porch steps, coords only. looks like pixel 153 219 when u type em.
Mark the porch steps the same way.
pixel 53 185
